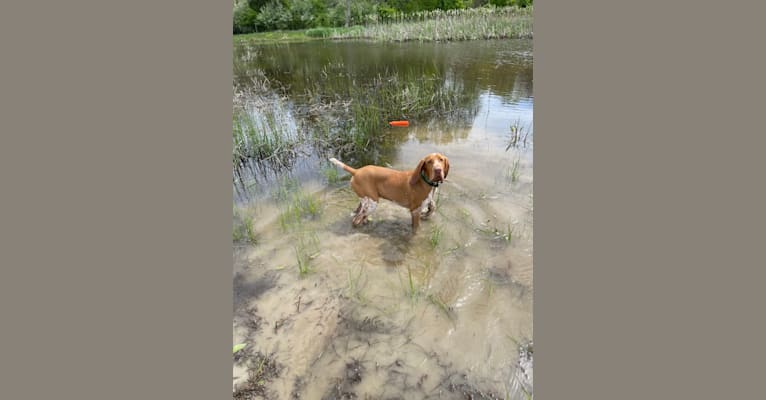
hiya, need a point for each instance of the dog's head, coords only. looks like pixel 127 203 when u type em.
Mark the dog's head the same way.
pixel 435 166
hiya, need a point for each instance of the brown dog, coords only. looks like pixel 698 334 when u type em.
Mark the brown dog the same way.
pixel 411 189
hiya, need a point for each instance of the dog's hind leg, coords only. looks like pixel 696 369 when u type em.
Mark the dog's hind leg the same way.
pixel 366 207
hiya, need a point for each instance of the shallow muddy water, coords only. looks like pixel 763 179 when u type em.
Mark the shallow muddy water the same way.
pixel 330 311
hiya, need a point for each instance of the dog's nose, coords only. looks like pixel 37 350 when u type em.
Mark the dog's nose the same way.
pixel 438 171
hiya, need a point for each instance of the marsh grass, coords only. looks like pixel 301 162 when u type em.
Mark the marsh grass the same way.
pixel 508 233
pixel 244 226
pixel 437 232
pixel 440 25
pixel 297 36
pixel 306 249
pixel 358 122
pixel 413 289
pixel 519 135
pixel 304 262
pixel 267 134
pixel 296 204
pixel 301 206
pixel 330 172
pixel 324 32
pixel 417 280
pixel 486 22
pixel 442 306
pixel 505 233
pixel 286 189
pixel 339 114
pixel 354 286
pixel 514 171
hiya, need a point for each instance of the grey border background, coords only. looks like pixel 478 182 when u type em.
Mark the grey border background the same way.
pixel 116 189
pixel 116 218
pixel 649 195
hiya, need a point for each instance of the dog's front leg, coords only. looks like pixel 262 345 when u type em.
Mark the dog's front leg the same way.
pixel 428 204
pixel 415 219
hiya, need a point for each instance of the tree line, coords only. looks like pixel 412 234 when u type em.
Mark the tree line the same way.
pixel 268 15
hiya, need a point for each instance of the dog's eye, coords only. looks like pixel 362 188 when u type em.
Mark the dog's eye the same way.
pixel 430 161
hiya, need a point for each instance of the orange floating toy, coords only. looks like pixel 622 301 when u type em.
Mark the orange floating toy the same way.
pixel 399 123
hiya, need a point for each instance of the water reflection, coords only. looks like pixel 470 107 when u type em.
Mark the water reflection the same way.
pixel 339 97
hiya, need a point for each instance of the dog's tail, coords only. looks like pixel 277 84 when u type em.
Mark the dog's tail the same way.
pixel 345 167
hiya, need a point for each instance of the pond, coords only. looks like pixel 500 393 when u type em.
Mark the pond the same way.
pixel 328 310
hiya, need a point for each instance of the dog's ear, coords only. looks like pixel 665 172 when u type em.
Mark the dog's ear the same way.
pixel 446 167
pixel 416 175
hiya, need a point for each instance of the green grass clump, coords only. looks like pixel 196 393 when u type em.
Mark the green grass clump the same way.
pixel 354 287
pixel 304 262
pixel 268 135
pixel 413 290
pixel 243 230
pixel 437 232
pixel 296 204
pixel 514 171
pixel 301 206
pixel 306 249
pixel 519 135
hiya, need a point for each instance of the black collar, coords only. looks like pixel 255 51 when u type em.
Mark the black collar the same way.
pixel 425 179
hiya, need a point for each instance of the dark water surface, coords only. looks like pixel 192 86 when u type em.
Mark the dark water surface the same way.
pixel 384 314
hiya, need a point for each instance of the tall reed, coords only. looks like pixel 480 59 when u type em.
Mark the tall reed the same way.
pixel 443 25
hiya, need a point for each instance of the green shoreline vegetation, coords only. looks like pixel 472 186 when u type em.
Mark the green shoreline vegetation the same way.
pixel 277 23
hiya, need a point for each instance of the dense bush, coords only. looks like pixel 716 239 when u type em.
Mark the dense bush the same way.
pixel 244 18
pixel 266 15
pixel 503 3
pixel 274 16
pixel 301 14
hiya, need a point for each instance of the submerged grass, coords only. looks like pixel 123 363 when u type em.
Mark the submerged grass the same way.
pixel 514 171
pixel 441 305
pixel 350 127
pixel 437 232
pixel 264 131
pixel 302 206
pixel 243 230
pixel 505 233
pixel 354 287
pixel 417 280
pixel 306 249
pixel 330 172
pixel 297 205
pixel 519 135
pixel 413 290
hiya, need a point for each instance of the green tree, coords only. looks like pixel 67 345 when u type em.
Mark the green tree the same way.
pixel 257 4
pixel 244 18
pixel 274 16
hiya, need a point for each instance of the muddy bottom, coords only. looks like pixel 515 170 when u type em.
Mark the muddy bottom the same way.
pixel 329 311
